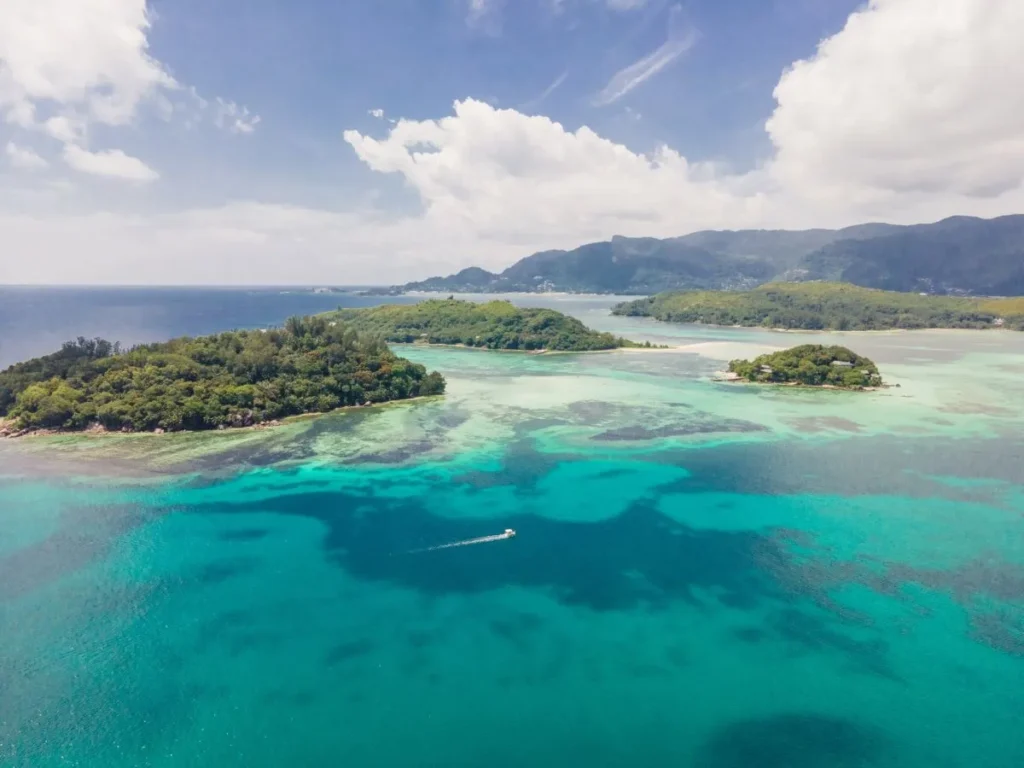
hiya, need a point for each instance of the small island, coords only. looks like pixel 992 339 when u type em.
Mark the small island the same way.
pixel 234 379
pixel 490 325
pixel 816 306
pixel 809 365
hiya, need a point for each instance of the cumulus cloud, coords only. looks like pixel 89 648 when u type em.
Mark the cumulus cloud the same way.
pixel 516 178
pixel 66 65
pixel 377 113
pixel 912 97
pixel 681 38
pixel 234 118
pixel 65 129
pixel 907 133
pixel 24 158
pixel 111 162
pixel 88 55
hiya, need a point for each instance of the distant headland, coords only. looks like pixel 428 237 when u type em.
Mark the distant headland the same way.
pixel 827 306
pixel 961 255
pixel 490 325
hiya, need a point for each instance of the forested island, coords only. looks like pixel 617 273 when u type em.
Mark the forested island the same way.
pixel 491 325
pixel 827 306
pixel 811 365
pixel 234 379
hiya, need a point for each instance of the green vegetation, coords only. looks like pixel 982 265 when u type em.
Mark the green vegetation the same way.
pixel 493 325
pixel 827 306
pixel 811 365
pixel 229 379
pixel 960 255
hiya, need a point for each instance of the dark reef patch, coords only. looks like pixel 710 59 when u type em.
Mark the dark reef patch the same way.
pixel 686 429
pixel 813 634
pixel 223 570
pixel 349 650
pixel 886 466
pixel 398 455
pixel 243 534
pixel 750 635
pixel 615 564
pixel 223 626
pixel 815 424
pixel 521 467
pixel 999 630
pixel 517 629
pixel 798 740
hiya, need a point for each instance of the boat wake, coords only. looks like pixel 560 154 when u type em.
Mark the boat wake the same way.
pixel 508 533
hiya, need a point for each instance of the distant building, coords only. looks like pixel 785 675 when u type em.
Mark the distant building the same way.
pixel 766 369
pixel 842 364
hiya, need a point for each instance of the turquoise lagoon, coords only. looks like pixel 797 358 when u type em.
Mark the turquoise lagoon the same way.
pixel 704 574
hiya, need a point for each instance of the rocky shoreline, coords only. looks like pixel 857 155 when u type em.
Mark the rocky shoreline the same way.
pixel 241 420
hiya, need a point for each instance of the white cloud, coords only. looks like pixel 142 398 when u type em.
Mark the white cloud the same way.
pixel 912 98
pixel 626 5
pixel 65 129
pixel 89 55
pixel 24 158
pixel 234 118
pixel 68 64
pixel 377 113
pixel 524 179
pixel 681 38
pixel 852 143
pixel 111 162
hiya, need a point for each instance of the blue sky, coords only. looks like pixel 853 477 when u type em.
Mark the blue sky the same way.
pixel 270 141
pixel 313 67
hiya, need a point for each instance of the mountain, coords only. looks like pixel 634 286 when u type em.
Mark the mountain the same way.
pixel 957 255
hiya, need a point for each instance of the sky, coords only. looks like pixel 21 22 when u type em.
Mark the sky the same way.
pixel 346 142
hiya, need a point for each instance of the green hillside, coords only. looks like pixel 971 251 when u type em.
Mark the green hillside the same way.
pixel 827 306
pixel 492 325
pixel 810 365
pixel 237 378
pixel 957 256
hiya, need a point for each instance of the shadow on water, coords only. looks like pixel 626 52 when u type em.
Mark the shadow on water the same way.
pixel 640 557
pixel 796 740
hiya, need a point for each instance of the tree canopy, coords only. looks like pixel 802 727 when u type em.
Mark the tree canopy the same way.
pixel 492 325
pixel 236 378
pixel 827 306
pixel 812 365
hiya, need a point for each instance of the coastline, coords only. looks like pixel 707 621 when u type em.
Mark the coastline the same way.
pixel 536 352
pixel 726 377
pixel 852 331
pixel 97 431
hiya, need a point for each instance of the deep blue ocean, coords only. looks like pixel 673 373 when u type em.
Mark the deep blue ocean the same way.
pixel 703 574
pixel 37 320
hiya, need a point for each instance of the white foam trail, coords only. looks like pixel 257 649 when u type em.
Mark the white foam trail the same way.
pixel 507 534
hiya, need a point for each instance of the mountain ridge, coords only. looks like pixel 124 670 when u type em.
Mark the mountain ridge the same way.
pixel 956 255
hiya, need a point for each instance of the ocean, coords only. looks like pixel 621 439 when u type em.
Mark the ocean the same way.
pixel 704 574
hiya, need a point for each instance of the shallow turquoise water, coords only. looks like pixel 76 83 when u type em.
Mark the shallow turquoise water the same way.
pixel 702 576
pixel 646 614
